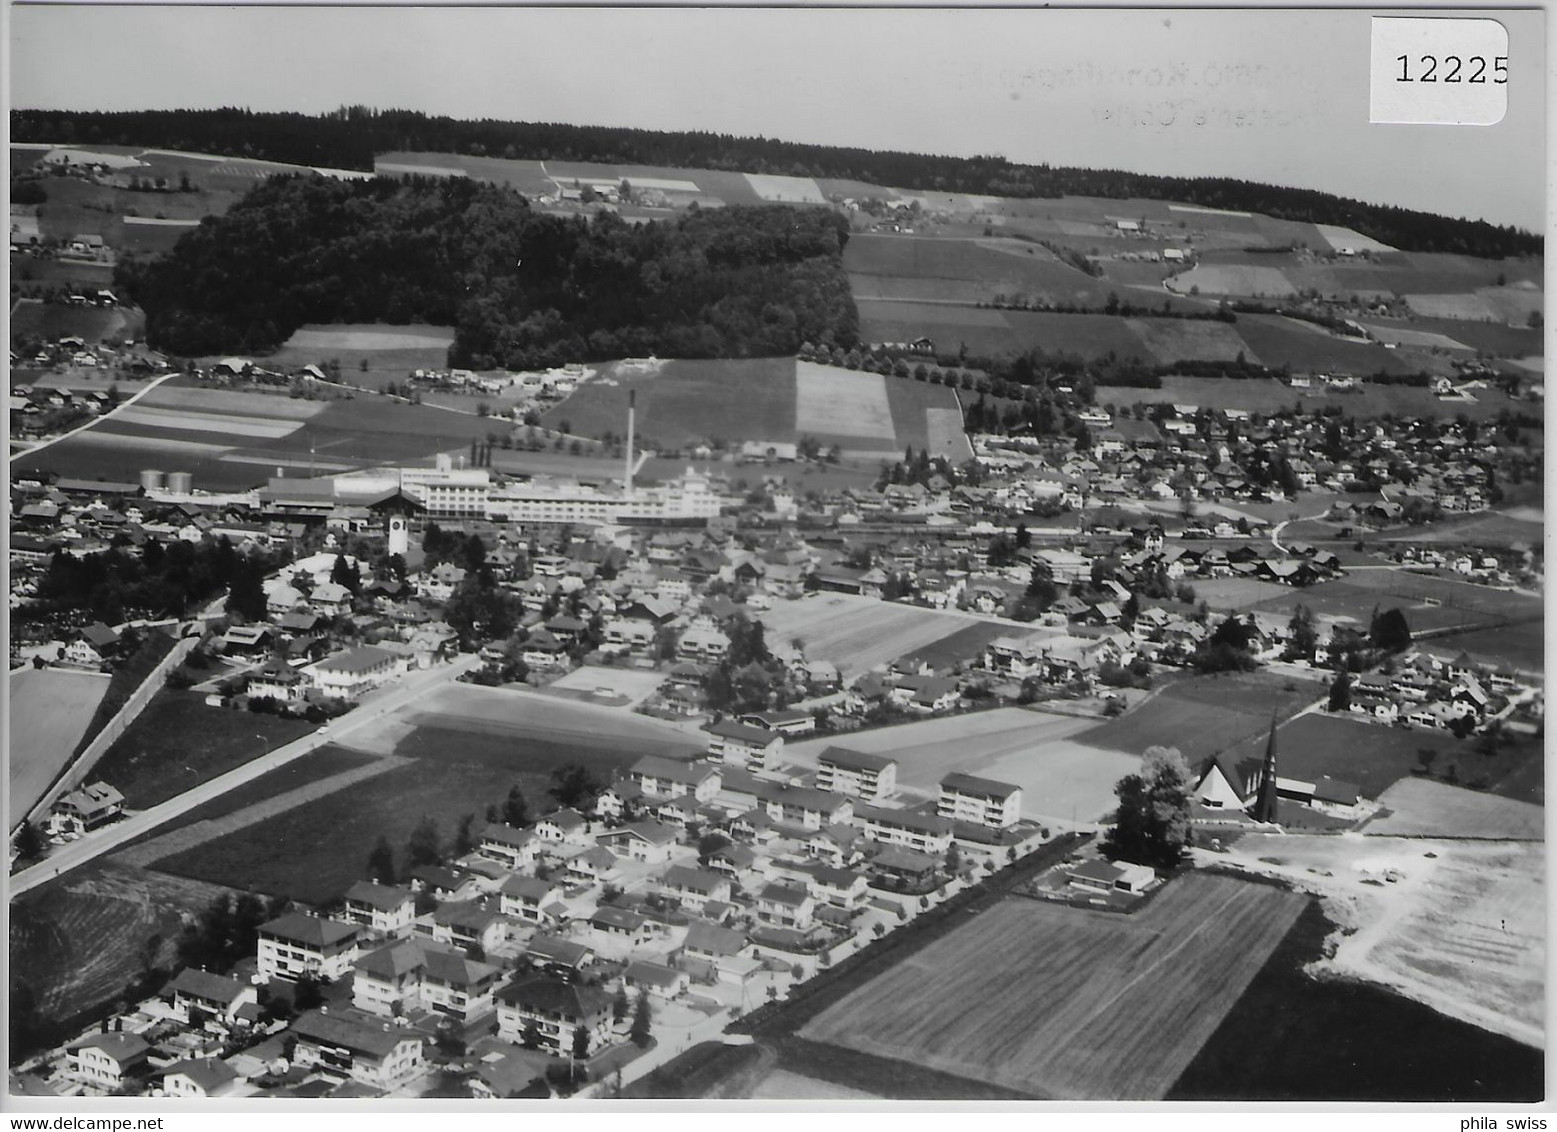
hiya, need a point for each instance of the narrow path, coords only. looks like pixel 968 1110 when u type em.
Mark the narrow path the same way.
pixel 122 405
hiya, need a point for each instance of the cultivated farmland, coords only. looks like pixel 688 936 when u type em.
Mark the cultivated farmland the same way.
pixel 858 633
pixel 1179 340
pixel 1115 1011
pixel 50 710
pixel 1233 279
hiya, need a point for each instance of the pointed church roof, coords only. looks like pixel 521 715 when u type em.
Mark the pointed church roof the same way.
pixel 1265 808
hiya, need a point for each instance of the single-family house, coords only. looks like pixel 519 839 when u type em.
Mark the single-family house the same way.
pixel 349 1044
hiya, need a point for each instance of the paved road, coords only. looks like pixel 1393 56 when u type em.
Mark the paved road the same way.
pixel 94 421
pixel 374 707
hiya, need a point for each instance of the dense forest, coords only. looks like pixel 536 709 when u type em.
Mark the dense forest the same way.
pixel 350 137
pixel 521 289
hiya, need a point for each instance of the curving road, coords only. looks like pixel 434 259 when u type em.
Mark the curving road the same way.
pixel 374 707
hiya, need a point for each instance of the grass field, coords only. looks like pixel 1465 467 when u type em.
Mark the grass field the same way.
pixel 1486 528
pixel 914 267
pixel 369 354
pixel 1459 604
pixel 49 713
pixel 1062 779
pixel 53 321
pixel 859 633
pixel 1371 756
pixel 1234 279
pixel 686 402
pixel 1236 593
pixel 467 746
pixel 1522 645
pixel 1201 715
pixel 1420 807
pixel 1116 1010
pixel 78 942
pixel 1292 1037
pixel 178 742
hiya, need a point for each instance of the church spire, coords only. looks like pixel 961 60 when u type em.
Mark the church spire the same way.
pixel 1265 809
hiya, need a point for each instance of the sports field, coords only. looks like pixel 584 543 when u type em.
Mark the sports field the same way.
pixel 50 710
pixel 1116 1009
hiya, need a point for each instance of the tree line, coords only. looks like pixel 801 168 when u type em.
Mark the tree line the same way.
pixel 521 289
pixel 350 137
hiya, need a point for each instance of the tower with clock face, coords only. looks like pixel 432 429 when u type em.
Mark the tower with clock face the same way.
pixel 399 535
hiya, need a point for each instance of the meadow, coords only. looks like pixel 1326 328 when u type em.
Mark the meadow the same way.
pixel 1422 807
pixel 1202 715
pixel 178 742
pixel 465 748
pixel 859 633
pixel 1116 1011
pixel 49 712
pixel 1371 756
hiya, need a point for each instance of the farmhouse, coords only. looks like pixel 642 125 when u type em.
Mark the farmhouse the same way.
pixel 89 807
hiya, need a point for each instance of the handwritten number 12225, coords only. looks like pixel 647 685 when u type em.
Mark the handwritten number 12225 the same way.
pixel 1474 68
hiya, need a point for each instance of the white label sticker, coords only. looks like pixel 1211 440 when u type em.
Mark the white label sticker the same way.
pixel 1449 71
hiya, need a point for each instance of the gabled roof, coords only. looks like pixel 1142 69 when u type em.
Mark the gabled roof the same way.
pixel 207 1072
pixel 548 995
pixel 119 1045
pixel 351 1031
pixel 847 759
pixel 383 897
pixel 532 889
pixel 314 931
pixel 714 939
pixel 204 984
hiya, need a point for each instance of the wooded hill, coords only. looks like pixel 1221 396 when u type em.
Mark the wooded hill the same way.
pixel 521 289
pixel 350 137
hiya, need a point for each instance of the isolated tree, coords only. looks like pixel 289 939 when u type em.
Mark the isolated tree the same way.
pixel 1390 630
pixel 246 594
pixel 346 573
pixel 574 786
pixel 1151 826
pixel 580 1042
pixel 530 1036
pixel 307 994
pixel 1340 692
pixel 1302 637
pixel 381 862
pixel 1426 756
pixel 516 812
pixel 620 1005
pixel 464 841
pixel 29 842
pixel 424 847
pixel 643 1015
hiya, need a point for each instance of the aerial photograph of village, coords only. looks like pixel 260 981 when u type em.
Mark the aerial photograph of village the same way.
pixel 565 554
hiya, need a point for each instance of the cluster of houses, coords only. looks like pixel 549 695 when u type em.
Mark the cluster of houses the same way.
pixel 703 885
pixel 1448 693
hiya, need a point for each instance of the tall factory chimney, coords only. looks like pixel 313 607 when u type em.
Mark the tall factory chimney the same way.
pixel 632 407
